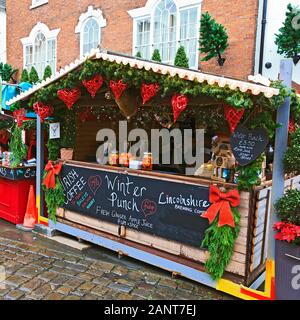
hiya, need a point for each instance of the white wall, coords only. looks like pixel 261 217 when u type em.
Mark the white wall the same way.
pixel 2 36
pixel 275 19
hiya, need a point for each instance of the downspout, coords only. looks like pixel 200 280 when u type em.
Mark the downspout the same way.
pixel 263 35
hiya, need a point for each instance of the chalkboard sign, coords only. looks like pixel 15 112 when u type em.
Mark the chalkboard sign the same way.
pixel 17 173
pixel 248 145
pixel 167 209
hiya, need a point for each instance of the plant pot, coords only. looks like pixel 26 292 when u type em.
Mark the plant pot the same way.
pixel 221 61
pixel 287 273
pixel 66 154
pixel 296 59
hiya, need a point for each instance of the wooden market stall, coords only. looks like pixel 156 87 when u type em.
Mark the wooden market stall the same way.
pixel 152 210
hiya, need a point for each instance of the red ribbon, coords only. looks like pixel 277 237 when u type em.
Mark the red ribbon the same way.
pixel 222 202
pixel 53 170
pixel 31 146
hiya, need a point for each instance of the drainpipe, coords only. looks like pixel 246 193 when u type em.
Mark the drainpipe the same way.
pixel 263 35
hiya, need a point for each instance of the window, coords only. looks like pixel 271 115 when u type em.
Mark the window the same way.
pixel 89 28
pixel 165 25
pixel 40 49
pixel 37 3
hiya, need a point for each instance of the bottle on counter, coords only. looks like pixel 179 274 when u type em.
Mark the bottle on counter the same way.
pixel 147 161
pixel 113 158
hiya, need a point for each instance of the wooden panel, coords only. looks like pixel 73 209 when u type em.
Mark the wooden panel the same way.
pixel 257 239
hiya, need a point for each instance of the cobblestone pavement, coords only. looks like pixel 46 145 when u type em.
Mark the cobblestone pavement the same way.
pixel 38 268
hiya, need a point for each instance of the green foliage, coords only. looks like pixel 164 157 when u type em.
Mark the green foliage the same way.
pixel 213 38
pixel 248 176
pixel 138 54
pixel 68 130
pixel 220 243
pixel 288 207
pixel 24 76
pixel 17 147
pixel 7 72
pixel 33 76
pixel 288 38
pixel 156 56
pixel 6 124
pixel 53 147
pixel 181 59
pixel 47 73
pixel 54 198
pixel 291 160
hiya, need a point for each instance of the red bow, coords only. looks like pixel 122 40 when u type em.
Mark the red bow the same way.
pixel 221 202
pixel 53 170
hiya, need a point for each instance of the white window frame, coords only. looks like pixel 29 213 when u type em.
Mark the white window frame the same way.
pixel 29 41
pixel 83 19
pixel 148 12
pixel 37 3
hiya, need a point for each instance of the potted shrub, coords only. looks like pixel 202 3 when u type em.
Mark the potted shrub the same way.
pixel 288 246
pixel 68 137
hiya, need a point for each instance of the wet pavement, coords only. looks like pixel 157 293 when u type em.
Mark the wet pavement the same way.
pixel 37 268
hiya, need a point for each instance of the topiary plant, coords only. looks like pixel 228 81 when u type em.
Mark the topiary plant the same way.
pixel 24 76
pixel 213 39
pixel 17 147
pixel 138 54
pixel 288 207
pixel 181 59
pixel 291 160
pixel 7 72
pixel 288 38
pixel 47 73
pixel 156 56
pixel 33 76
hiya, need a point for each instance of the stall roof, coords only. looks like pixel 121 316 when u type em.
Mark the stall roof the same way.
pixel 188 74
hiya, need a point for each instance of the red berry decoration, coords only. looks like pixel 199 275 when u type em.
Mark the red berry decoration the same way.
pixel 233 116
pixel 20 115
pixel 117 87
pixel 42 110
pixel 149 91
pixel 69 96
pixel 93 85
pixel 179 104
pixel 292 126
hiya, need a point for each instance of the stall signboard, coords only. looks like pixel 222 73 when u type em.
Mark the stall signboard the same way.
pixel 23 173
pixel 171 210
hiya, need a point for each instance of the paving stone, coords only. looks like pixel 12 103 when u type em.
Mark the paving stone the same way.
pixel 84 262
pixel 126 282
pixel 90 296
pixel 69 258
pixel 152 279
pixel 167 292
pixel 12 266
pixel 3 292
pixel 99 290
pixel 85 276
pixel 31 285
pixel 74 266
pixel 102 266
pixel 119 270
pixel 102 281
pixel 69 272
pixel 120 287
pixel 141 293
pixel 72 297
pixel 73 283
pixel 165 282
pixel 60 279
pixel 136 275
pixel 24 260
pixel 42 291
pixel 87 286
pixel 185 285
pixel 124 296
pixel 64 290
pixel 29 271
pixel 47 276
pixel 15 280
pixel 78 293
pixel 54 296
pixel 14 295
pixel 95 273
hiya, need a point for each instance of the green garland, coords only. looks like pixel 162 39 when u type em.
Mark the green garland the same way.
pixel 17 147
pixel 54 198
pixel 220 244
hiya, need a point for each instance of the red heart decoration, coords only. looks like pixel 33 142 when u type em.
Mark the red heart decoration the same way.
pixel 179 104
pixel 69 96
pixel 93 85
pixel 44 111
pixel 19 115
pixel 117 88
pixel 149 91
pixel 292 126
pixel 233 116
pixel 149 208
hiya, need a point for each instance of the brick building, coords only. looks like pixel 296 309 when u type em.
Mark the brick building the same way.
pixel 56 32
pixel 2 30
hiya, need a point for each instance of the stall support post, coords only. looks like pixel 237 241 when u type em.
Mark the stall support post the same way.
pixel 39 167
pixel 283 116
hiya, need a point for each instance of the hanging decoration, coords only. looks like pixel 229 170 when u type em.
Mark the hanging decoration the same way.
pixel 93 85
pixel 149 91
pixel 69 96
pixel 51 170
pixel 233 116
pixel 117 87
pixel 220 237
pixel 179 104
pixel 87 115
pixel 42 110
pixel 20 115
pixel 31 147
